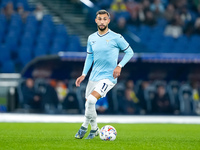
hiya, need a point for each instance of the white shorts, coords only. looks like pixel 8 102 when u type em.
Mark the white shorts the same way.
pixel 102 87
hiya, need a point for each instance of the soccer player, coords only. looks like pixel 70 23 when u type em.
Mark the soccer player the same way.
pixel 103 49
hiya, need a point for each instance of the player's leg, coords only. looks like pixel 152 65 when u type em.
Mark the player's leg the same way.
pixel 94 91
pixel 100 90
pixel 90 114
pixel 93 115
pixel 89 109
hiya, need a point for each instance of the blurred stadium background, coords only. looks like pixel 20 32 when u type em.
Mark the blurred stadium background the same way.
pixel 43 45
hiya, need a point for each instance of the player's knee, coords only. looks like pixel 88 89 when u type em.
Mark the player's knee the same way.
pixel 91 99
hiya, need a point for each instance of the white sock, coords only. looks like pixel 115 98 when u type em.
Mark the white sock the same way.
pixel 93 121
pixel 86 118
pixel 90 110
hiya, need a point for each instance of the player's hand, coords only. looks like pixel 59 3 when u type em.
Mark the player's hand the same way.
pixel 116 72
pixel 79 80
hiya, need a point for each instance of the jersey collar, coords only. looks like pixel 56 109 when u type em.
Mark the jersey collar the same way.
pixel 103 34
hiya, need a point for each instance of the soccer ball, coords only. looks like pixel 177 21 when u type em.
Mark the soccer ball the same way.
pixel 108 133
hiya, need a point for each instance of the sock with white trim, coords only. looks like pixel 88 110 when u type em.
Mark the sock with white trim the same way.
pixel 90 110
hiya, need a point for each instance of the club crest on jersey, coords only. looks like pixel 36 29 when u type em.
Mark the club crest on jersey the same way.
pixel 107 41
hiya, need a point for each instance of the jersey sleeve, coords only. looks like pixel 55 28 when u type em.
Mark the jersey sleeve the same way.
pixel 88 60
pixel 124 46
pixel 122 43
pixel 88 64
pixel 128 55
pixel 89 48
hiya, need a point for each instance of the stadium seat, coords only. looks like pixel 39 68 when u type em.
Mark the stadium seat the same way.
pixel 186 101
pixel 56 47
pixel 47 24
pixel 165 48
pixel 12 41
pixel 132 29
pixel 15 25
pixel 31 20
pixel 3 24
pixel 4 53
pixel 181 45
pixel 161 22
pixel 168 40
pixel 145 28
pixel 60 40
pixel 30 28
pixel 74 44
pixel 167 45
pixel 158 29
pixel 149 95
pixel 118 96
pixel 156 36
pixel 183 39
pixel 194 44
pixel 31 17
pixel 193 48
pixel 143 37
pixel 195 38
pixel 4 2
pixel 8 67
pixel 16 18
pixel 173 89
pixel 144 33
pixel 47 18
pixel 27 40
pixel 43 37
pixel 46 29
pixel 60 30
pixel 1 37
pixel 153 43
pixel 24 3
pixel 40 50
pixel 2 31
pixel 20 94
pixel 24 55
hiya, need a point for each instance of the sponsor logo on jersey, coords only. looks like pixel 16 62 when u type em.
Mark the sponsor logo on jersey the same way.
pixel 93 42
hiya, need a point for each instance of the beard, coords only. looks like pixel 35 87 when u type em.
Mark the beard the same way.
pixel 102 29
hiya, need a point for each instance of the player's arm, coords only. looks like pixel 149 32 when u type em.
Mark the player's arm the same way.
pixel 87 65
pixel 128 55
pixel 124 46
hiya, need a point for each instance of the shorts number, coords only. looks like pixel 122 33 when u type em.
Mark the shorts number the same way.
pixel 105 86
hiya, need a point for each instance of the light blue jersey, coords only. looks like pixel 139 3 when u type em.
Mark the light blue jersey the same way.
pixel 103 51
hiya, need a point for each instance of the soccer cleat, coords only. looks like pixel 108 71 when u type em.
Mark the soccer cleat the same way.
pixel 81 132
pixel 93 133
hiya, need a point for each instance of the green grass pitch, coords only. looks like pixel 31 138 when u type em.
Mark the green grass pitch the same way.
pixel 54 136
